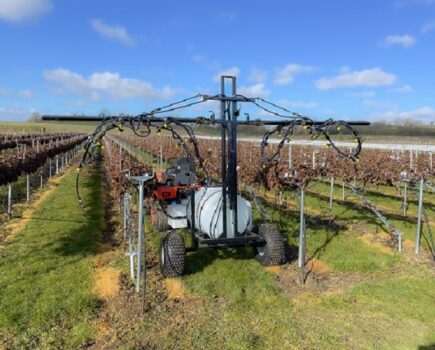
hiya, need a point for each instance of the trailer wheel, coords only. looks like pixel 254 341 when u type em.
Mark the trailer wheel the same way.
pixel 159 220
pixel 172 254
pixel 273 252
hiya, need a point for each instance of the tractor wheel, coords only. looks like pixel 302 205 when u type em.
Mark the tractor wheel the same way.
pixel 273 252
pixel 159 220
pixel 172 254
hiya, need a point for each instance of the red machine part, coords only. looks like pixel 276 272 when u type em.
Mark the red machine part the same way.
pixel 166 192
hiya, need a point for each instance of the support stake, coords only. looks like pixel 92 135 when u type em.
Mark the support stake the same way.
pixel 331 198
pixel 139 236
pixel 420 209
pixel 301 254
pixel 140 180
pixel 10 201
pixel 405 199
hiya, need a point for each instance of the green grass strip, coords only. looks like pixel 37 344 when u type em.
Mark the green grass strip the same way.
pixel 46 273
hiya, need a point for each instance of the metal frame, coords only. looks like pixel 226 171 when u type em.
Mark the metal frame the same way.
pixel 229 113
pixel 140 181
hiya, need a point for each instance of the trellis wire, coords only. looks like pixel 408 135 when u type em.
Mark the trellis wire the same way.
pixel 21 190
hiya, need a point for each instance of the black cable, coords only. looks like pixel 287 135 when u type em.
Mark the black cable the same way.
pixel 159 109
pixel 166 109
pixel 141 126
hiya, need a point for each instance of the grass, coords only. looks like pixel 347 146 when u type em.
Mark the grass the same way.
pixel 46 271
pixel 386 302
pixel 390 314
pixel 20 127
pixel 244 309
pixel 337 245
pixel 386 201
pixel 381 300
pixel 242 306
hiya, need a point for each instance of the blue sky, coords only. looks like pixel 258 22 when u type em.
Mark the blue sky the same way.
pixel 342 59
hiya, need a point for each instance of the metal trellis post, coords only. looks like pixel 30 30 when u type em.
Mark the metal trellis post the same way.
pixel 127 227
pixel 140 181
pixel 301 255
pixel 405 198
pixel 420 210
pixel 10 201
pixel 139 236
pixel 331 198
pixel 126 202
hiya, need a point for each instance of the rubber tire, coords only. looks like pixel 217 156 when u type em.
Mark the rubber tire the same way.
pixel 273 252
pixel 159 221
pixel 172 254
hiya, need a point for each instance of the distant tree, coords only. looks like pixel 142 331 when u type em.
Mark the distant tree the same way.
pixel 35 117
pixel 104 112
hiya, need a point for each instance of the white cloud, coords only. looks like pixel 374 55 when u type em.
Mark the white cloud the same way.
pixel 297 104
pixel 257 75
pixel 207 106
pixel 108 83
pixel 233 71
pixel 27 93
pixel 402 89
pixel 401 40
pixel 423 114
pixel 256 90
pixel 366 77
pixel 20 10
pixel 67 81
pixel 377 104
pixel 285 75
pixel 368 93
pixel 115 32
pixel 427 27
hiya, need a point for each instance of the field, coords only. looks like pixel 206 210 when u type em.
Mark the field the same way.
pixel 65 278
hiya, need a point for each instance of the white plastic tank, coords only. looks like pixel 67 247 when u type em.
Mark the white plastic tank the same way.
pixel 209 211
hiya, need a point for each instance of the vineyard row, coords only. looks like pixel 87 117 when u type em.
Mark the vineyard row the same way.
pixel 13 164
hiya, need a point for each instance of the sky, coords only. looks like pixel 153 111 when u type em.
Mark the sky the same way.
pixel 342 59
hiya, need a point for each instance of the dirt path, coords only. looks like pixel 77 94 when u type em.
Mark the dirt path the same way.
pixel 119 317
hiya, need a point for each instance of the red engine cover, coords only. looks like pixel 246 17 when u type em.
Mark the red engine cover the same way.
pixel 166 192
